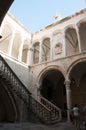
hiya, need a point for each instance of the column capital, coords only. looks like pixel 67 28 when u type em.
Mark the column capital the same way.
pixel 67 82
pixel 30 48
pixel 63 32
pixel 51 37
pixel 77 29
pixel 40 42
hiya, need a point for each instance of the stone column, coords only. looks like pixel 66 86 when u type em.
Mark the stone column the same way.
pixel 78 36
pixel 51 48
pixel 21 49
pixel 68 96
pixel 27 59
pixel 64 45
pixel 40 52
pixel 30 55
pixel 11 43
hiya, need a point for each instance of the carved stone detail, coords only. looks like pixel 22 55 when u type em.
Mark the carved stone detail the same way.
pixel 58 48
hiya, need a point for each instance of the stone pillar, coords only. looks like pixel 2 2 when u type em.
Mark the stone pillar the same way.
pixel 64 45
pixel 21 49
pixel 27 59
pixel 30 55
pixel 78 36
pixel 11 43
pixel 51 48
pixel 40 52
pixel 68 96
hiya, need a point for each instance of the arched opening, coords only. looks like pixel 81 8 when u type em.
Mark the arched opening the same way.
pixel 8 111
pixel 72 46
pixel 53 88
pixel 82 31
pixel 78 84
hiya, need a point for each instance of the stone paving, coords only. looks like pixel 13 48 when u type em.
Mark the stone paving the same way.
pixel 38 126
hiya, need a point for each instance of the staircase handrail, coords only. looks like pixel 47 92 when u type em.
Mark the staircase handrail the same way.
pixel 41 110
pixel 40 103
pixel 15 75
pixel 50 102
pixel 38 108
pixel 56 110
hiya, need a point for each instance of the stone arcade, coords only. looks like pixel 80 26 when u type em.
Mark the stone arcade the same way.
pixel 51 62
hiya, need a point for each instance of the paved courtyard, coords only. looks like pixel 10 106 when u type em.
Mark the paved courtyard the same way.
pixel 33 126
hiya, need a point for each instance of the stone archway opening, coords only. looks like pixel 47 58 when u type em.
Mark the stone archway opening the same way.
pixel 53 89
pixel 78 84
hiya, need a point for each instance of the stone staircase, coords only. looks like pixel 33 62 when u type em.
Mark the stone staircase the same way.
pixel 36 111
pixel 55 111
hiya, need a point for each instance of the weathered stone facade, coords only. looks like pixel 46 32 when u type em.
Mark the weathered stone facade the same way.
pixel 50 62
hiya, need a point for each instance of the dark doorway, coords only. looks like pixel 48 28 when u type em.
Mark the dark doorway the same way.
pixel 78 84
pixel 53 88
